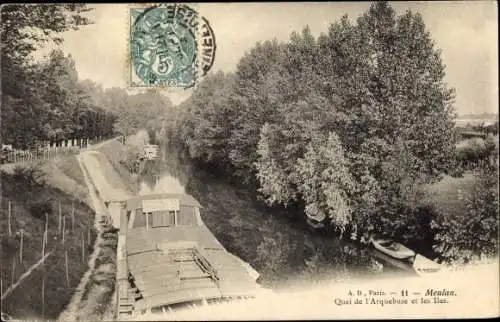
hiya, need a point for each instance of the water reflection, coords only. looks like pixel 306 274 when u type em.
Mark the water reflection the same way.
pixel 157 179
pixel 165 175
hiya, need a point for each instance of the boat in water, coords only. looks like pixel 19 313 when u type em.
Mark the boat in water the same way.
pixel 169 260
pixel 150 152
pixel 424 266
pixel 403 257
pixel 393 249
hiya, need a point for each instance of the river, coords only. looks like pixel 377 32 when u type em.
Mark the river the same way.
pixel 286 254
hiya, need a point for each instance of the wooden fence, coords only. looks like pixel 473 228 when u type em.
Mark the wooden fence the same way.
pixel 48 151
pixel 27 156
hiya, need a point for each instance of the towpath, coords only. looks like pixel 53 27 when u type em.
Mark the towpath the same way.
pixel 103 184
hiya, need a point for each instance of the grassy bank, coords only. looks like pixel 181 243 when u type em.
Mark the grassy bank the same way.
pixel 117 154
pixel 449 195
pixel 32 192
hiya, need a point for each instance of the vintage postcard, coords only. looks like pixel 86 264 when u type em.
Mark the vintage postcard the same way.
pixel 249 161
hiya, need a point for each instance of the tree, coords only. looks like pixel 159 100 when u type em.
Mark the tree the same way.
pixel 24 29
pixel 395 110
pixel 271 177
pixel 210 110
pixel 254 101
pixel 324 181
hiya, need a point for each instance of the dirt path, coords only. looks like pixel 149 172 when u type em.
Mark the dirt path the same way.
pixel 73 311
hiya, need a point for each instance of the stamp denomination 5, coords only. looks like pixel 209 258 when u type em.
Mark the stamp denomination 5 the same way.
pixel 170 45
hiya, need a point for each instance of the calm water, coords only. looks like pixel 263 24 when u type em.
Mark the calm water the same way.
pixel 280 250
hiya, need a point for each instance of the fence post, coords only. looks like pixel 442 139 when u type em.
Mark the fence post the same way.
pixel 21 251
pixel 10 210
pixel 66 264
pixel 13 271
pixel 1 284
pixel 88 232
pixel 63 229
pixel 44 240
pixel 59 225
pixel 46 226
pixel 83 247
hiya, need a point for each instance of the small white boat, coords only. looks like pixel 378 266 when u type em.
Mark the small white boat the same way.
pixel 424 266
pixel 393 249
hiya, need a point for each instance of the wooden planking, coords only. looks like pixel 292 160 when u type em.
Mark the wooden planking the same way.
pixel 137 238
pixel 121 269
pixel 188 266
pixel 230 275
pixel 158 274
pixel 138 261
pixel 187 217
pixel 166 285
pixel 193 274
pixel 148 259
pixel 197 283
pixel 150 292
pixel 123 288
pixel 192 285
pixel 238 289
pixel 140 246
pixel 163 219
pixel 157 278
pixel 219 258
pixel 155 269
pixel 143 282
pixel 178 297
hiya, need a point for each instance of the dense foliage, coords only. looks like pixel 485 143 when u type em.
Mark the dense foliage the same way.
pixel 464 237
pixel 344 124
pixel 133 111
pixel 44 100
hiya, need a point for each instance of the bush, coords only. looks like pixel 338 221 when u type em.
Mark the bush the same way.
pixel 39 208
pixel 468 236
pixel 471 152
pixel 30 175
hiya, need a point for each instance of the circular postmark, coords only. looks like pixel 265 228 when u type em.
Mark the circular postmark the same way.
pixel 170 45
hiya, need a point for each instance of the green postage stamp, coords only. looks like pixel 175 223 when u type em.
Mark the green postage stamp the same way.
pixel 170 46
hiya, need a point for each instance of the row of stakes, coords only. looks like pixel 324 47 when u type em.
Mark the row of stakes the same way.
pixel 45 255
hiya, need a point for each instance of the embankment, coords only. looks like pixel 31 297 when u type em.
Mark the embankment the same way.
pixel 52 195
pixel 94 293
pixel 106 179
pixel 116 155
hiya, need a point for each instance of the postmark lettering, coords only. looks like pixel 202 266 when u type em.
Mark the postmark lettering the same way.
pixel 170 45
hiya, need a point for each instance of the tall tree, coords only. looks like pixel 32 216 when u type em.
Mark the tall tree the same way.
pixel 24 29
pixel 325 181
pixel 209 108
pixel 255 101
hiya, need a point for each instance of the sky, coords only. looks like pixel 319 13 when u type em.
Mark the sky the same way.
pixel 465 31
